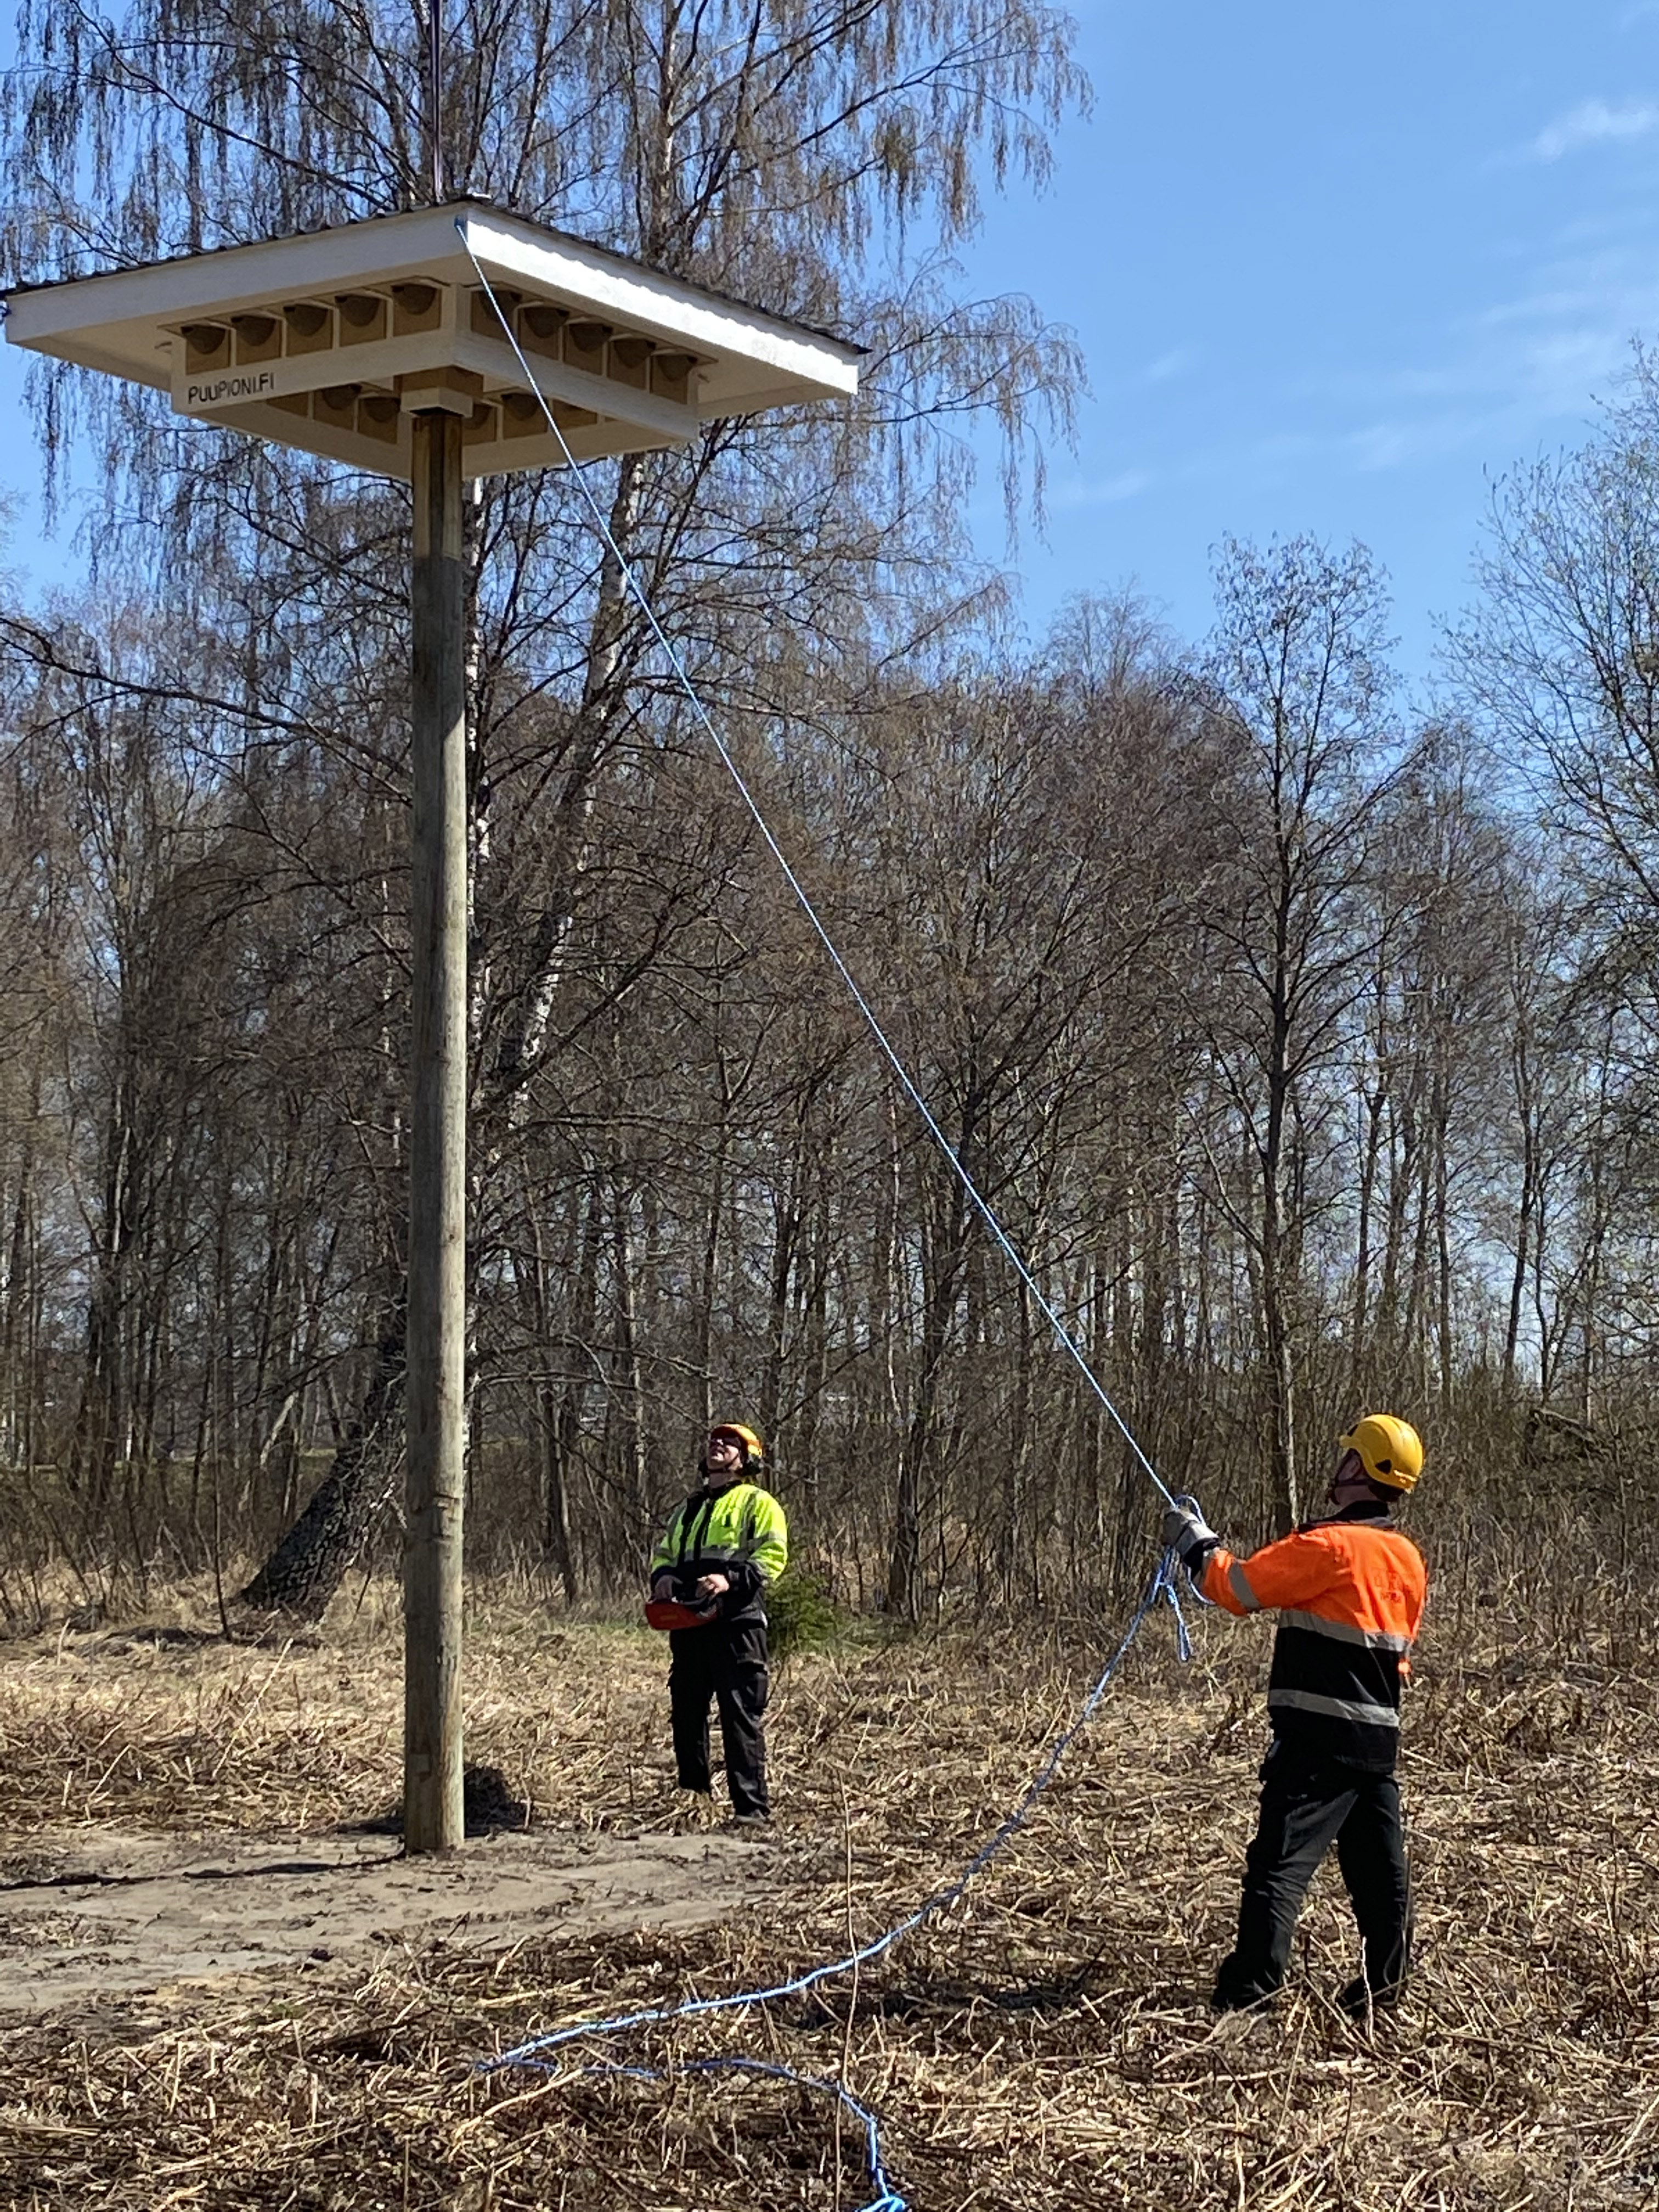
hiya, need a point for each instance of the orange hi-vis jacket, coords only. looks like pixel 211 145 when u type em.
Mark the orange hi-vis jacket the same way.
pixel 1349 1593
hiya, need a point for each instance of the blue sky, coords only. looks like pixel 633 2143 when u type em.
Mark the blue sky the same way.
pixel 1333 267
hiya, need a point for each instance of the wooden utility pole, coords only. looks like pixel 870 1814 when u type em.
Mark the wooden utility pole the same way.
pixel 433 1817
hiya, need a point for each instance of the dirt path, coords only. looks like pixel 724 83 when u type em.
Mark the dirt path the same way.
pixel 91 1915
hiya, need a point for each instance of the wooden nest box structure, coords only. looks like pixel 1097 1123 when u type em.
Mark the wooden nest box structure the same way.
pixel 381 345
pixel 333 340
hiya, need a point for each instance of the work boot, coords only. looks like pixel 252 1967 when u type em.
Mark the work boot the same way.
pixel 1236 1991
pixel 752 1823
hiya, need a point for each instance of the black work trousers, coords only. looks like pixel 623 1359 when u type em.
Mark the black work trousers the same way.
pixel 725 1662
pixel 1309 1802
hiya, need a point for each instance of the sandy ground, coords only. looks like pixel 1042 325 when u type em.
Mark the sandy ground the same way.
pixel 91 1915
pixel 185 1822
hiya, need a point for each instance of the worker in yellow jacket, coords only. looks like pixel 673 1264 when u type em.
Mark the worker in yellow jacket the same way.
pixel 709 1575
pixel 1349 1591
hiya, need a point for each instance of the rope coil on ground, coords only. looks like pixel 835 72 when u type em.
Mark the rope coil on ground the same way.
pixel 534 2052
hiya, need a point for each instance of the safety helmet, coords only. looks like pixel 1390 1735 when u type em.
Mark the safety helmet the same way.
pixel 754 1451
pixel 1390 1451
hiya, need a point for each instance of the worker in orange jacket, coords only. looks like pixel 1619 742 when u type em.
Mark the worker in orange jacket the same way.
pixel 1348 1589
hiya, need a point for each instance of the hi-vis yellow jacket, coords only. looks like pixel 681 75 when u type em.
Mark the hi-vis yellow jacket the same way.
pixel 1349 1595
pixel 740 1532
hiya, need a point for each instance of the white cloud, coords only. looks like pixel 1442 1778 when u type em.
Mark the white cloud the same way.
pixel 1104 491
pixel 1383 446
pixel 1505 376
pixel 1178 359
pixel 1594 123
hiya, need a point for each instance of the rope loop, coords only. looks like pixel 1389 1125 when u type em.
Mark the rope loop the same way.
pixel 1169 1579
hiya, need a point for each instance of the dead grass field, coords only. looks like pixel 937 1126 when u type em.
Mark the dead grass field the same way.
pixel 1046 2044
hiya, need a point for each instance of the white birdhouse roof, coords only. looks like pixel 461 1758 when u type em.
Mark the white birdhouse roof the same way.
pixel 331 340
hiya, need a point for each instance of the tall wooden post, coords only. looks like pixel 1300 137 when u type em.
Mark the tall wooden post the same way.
pixel 433 1819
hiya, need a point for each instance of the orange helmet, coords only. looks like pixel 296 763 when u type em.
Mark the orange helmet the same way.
pixel 1390 1451
pixel 754 1451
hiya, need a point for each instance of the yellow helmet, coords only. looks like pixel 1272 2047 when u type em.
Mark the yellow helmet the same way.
pixel 754 1451
pixel 1390 1451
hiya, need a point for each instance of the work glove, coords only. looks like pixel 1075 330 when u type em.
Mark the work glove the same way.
pixel 1188 1534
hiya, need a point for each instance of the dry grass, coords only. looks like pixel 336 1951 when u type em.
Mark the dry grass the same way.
pixel 1049 2044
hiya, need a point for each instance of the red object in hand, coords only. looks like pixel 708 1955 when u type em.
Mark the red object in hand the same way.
pixel 667 1613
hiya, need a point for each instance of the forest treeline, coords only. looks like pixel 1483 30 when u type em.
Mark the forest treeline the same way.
pixel 1301 1037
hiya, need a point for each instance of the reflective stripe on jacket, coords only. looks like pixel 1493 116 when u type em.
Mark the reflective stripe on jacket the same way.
pixel 1349 1596
pixel 738 1531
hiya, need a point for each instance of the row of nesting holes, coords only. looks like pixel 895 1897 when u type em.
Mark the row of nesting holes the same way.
pixel 307 327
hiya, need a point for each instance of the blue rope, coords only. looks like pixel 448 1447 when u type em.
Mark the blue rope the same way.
pixel 1163 1587
pixel 886 2198
pixel 980 1204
